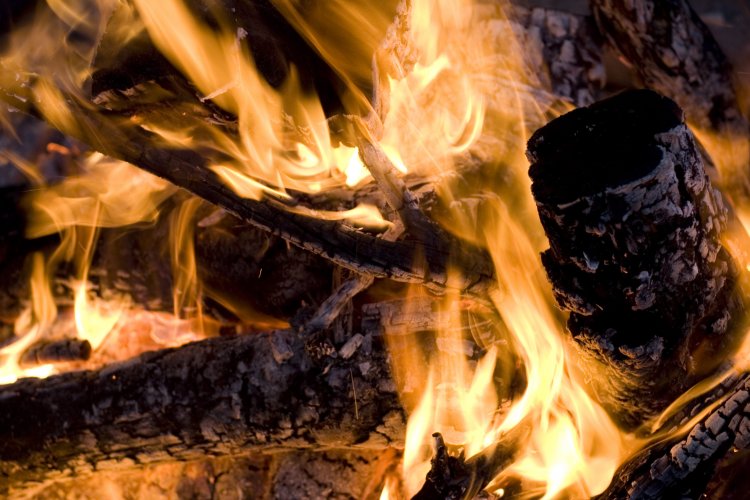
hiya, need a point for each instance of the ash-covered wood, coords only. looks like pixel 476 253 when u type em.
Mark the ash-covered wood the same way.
pixel 221 396
pixel 58 351
pixel 570 48
pixel 674 53
pixel 682 469
pixel 635 253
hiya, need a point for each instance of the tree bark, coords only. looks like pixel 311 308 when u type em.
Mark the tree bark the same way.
pixel 568 46
pixel 635 252
pixel 221 396
pixel 674 53
pixel 682 468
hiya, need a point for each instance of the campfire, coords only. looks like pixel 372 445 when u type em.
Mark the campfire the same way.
pixel 348 249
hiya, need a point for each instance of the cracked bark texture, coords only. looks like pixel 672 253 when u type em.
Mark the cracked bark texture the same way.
pixel 635 254
pixel 674 53
pixel 336 474
pixel 683 469
pixel 221 396
pixel 569 48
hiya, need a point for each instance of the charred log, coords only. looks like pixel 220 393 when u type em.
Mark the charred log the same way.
pixel 569 48
pixel 674 53
pixel 685 467
pixel 245 273
pixel 635 253
pixel 221 396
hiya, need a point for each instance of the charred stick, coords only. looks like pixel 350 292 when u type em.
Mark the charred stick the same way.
pixel 635 252
pixel 59 351
pixel 455 477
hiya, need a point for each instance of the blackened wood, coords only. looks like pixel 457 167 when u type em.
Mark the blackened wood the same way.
pixel 58 351
pixel 674 53
pixel 682 467
pixel 345 245
pixel 571 51
pixel 456 477
pixel 245 273
pixel 635 253
pixel 221 396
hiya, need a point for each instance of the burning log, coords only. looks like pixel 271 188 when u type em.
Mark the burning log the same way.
pixel 569 49
pixel 350 247
pixel 683 468
pixel 234 261
pixel 223 396
pixel 674 53
pixel 635 253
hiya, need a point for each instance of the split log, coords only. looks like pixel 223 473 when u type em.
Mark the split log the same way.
pixel 635 252
pixel 221 396
pixel 674 53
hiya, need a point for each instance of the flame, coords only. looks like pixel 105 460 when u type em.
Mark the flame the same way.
pixel 108 193
pixel 470 90
pixel 30 326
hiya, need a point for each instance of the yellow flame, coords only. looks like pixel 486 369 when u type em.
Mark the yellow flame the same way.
pixel 187 289
pixel 30 326
pixel 574 447
pixel 110 194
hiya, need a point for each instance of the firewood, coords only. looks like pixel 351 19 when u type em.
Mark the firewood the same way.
pixel 570 50
pixel 226 395
pixel 682 467
pixel 245 273
pixel 349 247
pixel 675 54
pixel 635 253
pixel 221 396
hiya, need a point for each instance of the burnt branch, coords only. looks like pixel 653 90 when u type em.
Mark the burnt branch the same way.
pixel 345 245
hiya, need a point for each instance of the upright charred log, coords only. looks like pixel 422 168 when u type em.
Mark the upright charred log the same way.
pixel 635 253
